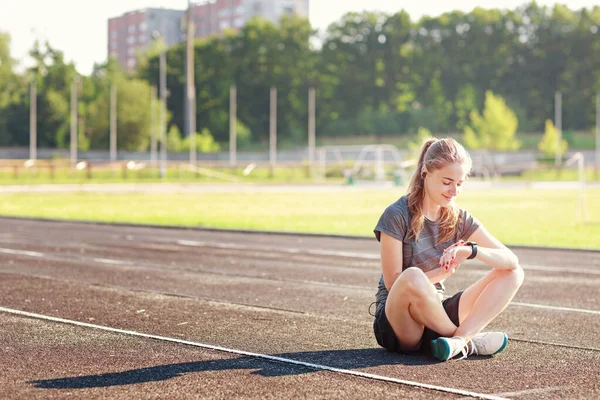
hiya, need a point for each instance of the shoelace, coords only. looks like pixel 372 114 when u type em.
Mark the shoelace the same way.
pixel 473 348
pixel 464 351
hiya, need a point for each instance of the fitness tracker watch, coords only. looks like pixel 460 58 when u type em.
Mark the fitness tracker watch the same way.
pixel 473 250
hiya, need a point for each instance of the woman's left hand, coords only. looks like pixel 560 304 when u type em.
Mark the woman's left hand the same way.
pixel 454 256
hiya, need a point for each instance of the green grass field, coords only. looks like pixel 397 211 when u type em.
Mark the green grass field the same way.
pixel 282 174
pixel 518 217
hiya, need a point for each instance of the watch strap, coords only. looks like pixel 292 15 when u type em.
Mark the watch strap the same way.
pixel 473 250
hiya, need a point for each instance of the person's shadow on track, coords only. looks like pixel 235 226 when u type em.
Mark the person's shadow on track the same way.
pixel 341 359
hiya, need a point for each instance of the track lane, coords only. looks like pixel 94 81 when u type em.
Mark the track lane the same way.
pixel 53 360
pixel 317 339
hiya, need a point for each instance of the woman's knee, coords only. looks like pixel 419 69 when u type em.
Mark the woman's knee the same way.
pixel 414 282
pixel 513 277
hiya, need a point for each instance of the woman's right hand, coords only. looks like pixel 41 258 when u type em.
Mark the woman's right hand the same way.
pixel 453 257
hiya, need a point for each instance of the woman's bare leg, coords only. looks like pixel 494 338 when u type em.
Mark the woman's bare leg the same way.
pixel 485 299
pixel 412 305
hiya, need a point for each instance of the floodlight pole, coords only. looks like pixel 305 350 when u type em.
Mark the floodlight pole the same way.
pixel 74 121
pixel 558 124
pixel 232 125
pixel 33 121
pixel 153 134
pixel 163 114
pixel 163 106
pixel 597 132
pixel 190 88
pixel 311 127
pixel 273 132
pixel 113 122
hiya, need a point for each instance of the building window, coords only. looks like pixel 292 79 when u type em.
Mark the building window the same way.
pixel 223 24
pixel 114 34
pixel 224 13
pixel 131 28
pixel 131 51
pixel 130 39
pixel 142 27
pixel 141 39
pixel 131 62
pixel 238 22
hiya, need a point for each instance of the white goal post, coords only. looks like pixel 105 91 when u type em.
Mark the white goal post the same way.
pixel 367 162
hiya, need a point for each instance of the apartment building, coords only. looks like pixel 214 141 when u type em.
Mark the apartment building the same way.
pixel 132 32
pixel 274 9
pixel 213 17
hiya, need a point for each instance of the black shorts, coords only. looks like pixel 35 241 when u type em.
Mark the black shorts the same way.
pixel 387 338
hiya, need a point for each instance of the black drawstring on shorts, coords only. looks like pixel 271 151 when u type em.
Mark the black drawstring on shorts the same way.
pixel 371 305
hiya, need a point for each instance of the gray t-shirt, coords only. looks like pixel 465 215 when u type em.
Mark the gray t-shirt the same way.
pixel 426 252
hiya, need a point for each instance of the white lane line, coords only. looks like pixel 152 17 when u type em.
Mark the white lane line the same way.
pixel 289 250
pixel 38 254
pixel 563 345
pixel 366 256
pixel 555 308
pixel 561 269
pixel 22 252
pixel 533 391
pixel 224 245
pixel 109 261
pixel 257 355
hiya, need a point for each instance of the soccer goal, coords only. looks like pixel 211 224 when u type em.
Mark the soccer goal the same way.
pixel 582 200
pixel 379 163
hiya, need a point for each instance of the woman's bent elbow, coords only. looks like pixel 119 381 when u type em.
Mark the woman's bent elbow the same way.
pixel 518 275
pixel 513 262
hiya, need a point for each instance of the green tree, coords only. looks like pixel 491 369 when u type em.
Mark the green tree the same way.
pixel 464 103
pixel 174 142
pixel 54 78
pixel 495 129
pixel 549 143
pixel 12 98
pixel 243 135
pixel 423 135
pixel 354 64
pixel 133 109
pixel 205 142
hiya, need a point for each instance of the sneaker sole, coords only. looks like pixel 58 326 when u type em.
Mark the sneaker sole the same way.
pixel 440 349
pixel 503 344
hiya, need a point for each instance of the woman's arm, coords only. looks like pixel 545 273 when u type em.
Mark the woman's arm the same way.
pixel 491 251
pixel 391 263
pixel 391 259
pixel 439 274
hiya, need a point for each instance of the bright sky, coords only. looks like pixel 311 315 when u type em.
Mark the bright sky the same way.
pixel 79 27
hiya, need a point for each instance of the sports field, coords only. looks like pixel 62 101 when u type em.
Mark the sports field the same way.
pixel 519 216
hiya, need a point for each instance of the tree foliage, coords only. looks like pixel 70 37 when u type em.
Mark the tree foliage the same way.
pixel 486 73
pixel 549 143
pixel 495 129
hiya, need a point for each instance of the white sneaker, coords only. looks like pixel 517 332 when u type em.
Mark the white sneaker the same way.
pixel 482 344
pixel 445 348
pixel 488 343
